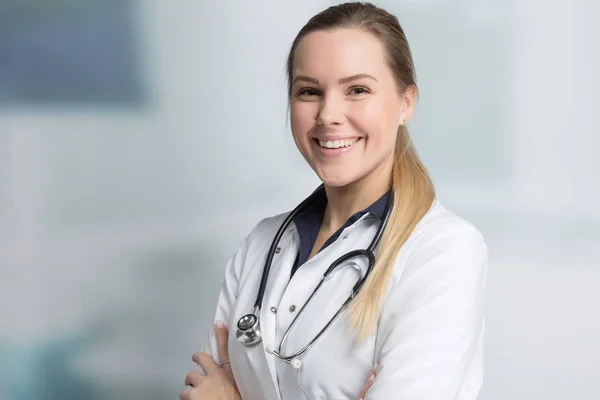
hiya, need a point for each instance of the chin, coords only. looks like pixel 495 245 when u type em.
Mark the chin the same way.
pixel 337 181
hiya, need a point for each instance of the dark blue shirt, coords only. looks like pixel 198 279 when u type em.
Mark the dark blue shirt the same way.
pixel 308 223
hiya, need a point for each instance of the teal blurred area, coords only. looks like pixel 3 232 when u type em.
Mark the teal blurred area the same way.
pixel 69 52
pixel 140 141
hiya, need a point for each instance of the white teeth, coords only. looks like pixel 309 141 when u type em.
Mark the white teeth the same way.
pixel 336 144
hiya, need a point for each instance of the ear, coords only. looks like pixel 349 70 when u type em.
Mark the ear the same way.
pixel 407 103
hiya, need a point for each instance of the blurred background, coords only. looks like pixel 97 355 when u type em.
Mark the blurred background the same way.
pixel 140 141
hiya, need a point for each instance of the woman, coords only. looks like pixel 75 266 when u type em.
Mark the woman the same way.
pixel 419 313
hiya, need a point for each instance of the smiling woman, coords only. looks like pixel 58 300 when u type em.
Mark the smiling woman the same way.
pixel 363 104
pixel 370 274
pixel 354 91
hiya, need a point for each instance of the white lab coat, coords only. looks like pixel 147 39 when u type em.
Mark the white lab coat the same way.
pixel 429 338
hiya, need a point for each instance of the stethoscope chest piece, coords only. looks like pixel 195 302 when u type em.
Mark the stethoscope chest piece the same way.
pixel 248 331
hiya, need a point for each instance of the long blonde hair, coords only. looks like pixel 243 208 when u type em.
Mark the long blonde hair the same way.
pixel 411 183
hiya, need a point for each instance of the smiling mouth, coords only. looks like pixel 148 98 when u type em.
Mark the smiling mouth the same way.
pixel 335 144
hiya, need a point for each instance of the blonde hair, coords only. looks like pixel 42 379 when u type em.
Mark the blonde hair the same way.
pixel 411 183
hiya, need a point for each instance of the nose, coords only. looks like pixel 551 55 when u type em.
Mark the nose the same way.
pixel 331 112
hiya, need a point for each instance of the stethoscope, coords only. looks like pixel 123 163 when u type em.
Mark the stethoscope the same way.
pixel 248 327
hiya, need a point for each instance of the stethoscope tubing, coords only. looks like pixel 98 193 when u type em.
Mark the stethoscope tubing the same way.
pixel 272 249
pixel 368 253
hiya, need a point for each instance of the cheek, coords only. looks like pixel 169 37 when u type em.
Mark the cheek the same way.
pixel 300 119
pixel 377 120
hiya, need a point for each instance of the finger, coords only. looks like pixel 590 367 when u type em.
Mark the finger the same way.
pixel 366 387
pixel 222 337
pixel 206 362
pixel 186 394
pixel 375 368
pixel 368 383
pixel 193 378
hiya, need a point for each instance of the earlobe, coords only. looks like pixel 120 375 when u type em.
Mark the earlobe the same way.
pixel 411 96
pixel 404 117
pixel 408 104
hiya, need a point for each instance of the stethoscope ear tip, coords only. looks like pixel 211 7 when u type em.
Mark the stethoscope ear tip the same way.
pixel 296 363
pixel 269 349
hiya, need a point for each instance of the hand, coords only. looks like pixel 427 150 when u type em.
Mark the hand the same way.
pixel 218 383
pixel 369 383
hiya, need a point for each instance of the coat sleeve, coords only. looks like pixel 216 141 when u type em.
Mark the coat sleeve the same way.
pixel 227 295
pixel 429 338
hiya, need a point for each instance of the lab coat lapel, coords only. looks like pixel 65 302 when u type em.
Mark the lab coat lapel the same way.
pixel 279 277
pixel 330 296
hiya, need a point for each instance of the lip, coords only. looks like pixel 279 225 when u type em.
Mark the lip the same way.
pixel 337 137
pixel 327 152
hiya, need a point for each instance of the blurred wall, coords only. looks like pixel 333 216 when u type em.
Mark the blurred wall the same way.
pixel 119 208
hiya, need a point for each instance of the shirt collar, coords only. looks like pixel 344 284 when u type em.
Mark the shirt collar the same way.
pixel 316 209
pixel 379 207
pixel 308 223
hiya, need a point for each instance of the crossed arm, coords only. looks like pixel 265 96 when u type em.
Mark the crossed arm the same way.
pixel 431 329
pixel 219 383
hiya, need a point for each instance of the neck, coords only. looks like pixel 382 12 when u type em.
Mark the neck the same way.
pixel 344 201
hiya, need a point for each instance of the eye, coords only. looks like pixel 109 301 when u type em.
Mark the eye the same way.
pixel 308 92
pixel 359 90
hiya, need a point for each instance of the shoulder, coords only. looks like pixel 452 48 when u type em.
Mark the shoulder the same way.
pixel 262 234
pixel 253 248
pixel 441 225
pixel 445 241
pixel 268 226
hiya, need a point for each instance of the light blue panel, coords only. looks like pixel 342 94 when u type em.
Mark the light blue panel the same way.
pixel 463 60
pixel 68 52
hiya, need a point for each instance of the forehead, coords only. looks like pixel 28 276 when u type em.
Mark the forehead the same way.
pixel 339 52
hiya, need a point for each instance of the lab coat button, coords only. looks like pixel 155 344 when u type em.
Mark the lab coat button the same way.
pixel 274 310
pixel 277 250
pixel 292 308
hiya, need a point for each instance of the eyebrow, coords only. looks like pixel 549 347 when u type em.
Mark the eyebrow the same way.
pixel 340 81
